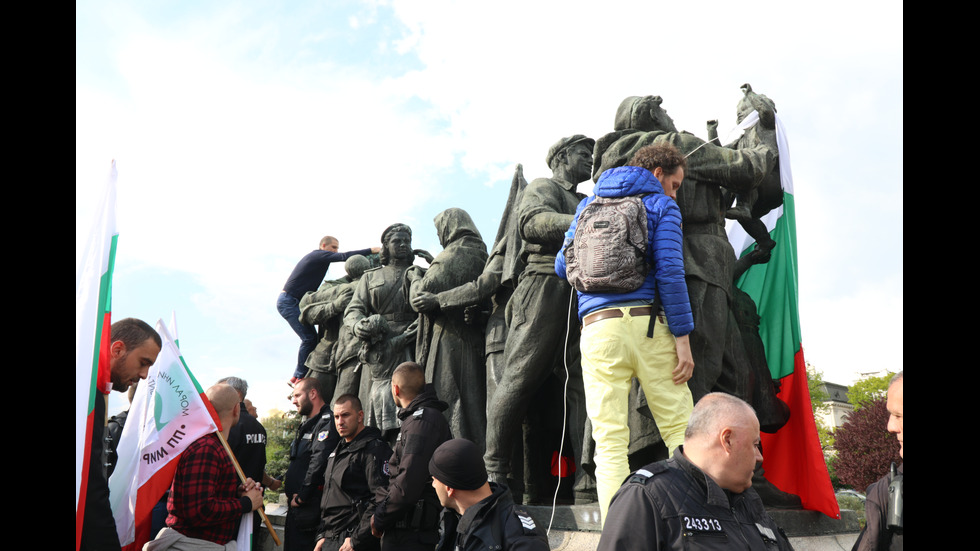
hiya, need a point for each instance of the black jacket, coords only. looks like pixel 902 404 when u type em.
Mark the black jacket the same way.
pixel 876 536
pixel 99 527
pixel 315 439
pixel 672 504
pixel 247 441
pixel 496 523
pixel 409 500
pixel 355 471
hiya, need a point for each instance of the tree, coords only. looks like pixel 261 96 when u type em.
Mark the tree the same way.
pixel 868 390
pixel 865 448
pixel 818 397
pixel 280 430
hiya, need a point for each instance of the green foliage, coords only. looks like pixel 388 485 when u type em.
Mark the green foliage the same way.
pixel 280 430
pixel 853 503
pixel 868 390
pixel 818 397
pixel 865 449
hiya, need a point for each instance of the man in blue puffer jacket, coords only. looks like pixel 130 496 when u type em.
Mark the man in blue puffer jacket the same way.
pixel 614 342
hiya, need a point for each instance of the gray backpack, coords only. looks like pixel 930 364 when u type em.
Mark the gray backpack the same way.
pixel 608 252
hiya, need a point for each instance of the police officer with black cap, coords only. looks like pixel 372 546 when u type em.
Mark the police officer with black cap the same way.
pixel 479 514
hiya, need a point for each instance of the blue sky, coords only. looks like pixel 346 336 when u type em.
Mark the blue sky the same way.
pixel 243 133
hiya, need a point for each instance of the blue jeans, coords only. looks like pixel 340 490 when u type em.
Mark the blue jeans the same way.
pixel 288 307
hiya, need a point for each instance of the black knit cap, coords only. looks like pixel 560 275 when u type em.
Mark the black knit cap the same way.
pixel 459 465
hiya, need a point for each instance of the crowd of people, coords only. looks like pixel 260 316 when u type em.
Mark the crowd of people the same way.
pixel 415 382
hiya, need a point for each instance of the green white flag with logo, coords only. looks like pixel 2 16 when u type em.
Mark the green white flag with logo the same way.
pixel 169 411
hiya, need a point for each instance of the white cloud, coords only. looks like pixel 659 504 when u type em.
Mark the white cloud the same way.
pixel 242 135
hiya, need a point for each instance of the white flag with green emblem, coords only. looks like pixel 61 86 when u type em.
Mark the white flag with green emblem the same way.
pixel 169 411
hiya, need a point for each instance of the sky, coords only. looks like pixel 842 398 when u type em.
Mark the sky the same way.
pixel 243 132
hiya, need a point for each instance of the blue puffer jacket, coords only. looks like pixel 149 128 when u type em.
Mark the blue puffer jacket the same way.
pixel 665 249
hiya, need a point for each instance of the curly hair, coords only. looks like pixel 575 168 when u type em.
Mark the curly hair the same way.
pixel 663 155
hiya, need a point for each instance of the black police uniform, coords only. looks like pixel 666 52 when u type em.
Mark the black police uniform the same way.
pixel 355 471
pixel 672 504
pixel 247 440
pixel 408 509
pixel 317 437
pixel 494 523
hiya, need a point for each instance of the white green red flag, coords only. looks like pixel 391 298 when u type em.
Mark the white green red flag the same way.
pixel 169 411
pixel 93 304
pixel 792 457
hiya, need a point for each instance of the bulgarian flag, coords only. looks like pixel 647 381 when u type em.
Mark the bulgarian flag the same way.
pixel 792 458
pixel 169 411
pixel 93 303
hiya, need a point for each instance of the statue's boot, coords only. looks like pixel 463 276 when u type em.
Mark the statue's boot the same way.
pixel 772 496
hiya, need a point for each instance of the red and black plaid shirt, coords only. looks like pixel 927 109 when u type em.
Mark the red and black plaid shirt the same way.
pixel 204 501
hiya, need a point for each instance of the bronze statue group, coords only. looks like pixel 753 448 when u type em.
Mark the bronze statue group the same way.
pixel 498 332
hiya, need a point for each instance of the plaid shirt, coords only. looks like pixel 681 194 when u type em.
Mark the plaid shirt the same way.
pixel 204 501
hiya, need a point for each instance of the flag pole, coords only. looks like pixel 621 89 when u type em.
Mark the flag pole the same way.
pixel 241 476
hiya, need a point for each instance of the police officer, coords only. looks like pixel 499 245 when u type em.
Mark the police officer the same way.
pixel 247 441
pixel 355 471
pixel 303 483
pixel 487 516
pixel 407 514
pixel 701 498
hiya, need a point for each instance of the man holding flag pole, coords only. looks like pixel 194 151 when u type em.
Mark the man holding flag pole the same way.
pixel 164 443
pixel 206 501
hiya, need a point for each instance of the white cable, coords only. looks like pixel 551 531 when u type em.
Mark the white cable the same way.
pixel 749 121
pixel 564 415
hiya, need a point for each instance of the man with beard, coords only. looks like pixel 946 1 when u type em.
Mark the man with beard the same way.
pixel 303 483
pixel 133 348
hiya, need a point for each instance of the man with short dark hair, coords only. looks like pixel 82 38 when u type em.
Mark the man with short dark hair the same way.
pixel 133 347
pixel 702 496
pixel 640 333
pixel 355 470
pixel 407 514
pixel 306 277
pixel 885 529
pixel 303 483
pixel 480 514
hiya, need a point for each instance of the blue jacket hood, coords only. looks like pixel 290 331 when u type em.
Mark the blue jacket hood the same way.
pixel 627 180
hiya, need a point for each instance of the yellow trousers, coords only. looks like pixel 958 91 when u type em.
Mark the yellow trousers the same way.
pixel 615 350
